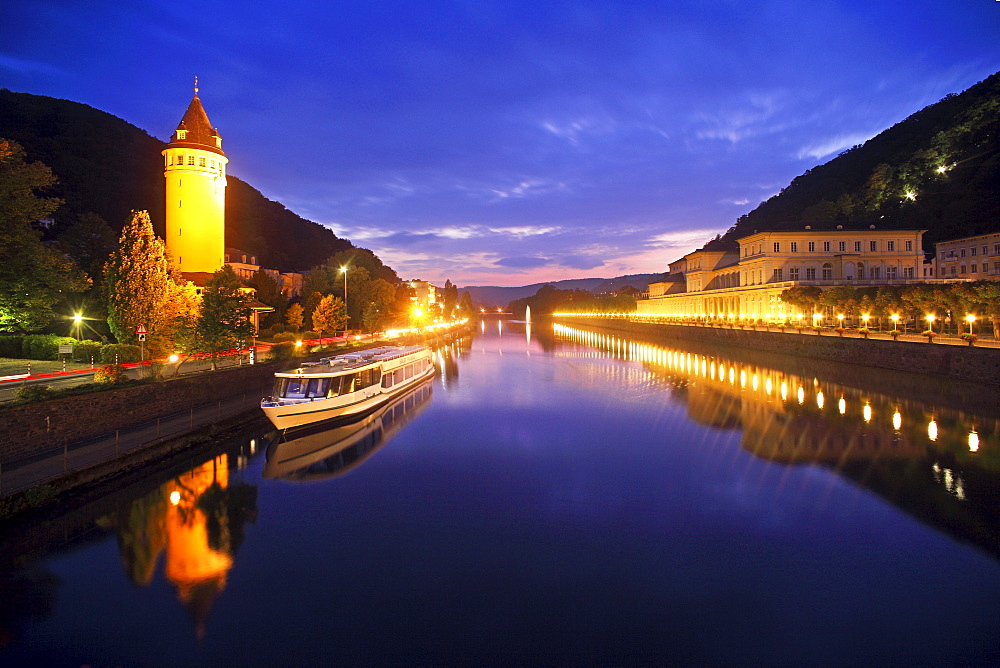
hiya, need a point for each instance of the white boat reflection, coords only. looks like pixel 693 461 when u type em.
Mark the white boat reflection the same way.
pixel 325 452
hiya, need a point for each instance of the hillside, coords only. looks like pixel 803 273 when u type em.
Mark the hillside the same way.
pixel 937 170
pixel 492 295
pixel 109 167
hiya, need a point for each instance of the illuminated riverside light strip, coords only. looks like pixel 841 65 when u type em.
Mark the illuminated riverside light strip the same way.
pixel 393 333
pixel 716 370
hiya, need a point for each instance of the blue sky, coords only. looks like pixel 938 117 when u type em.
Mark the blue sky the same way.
pixel 516 142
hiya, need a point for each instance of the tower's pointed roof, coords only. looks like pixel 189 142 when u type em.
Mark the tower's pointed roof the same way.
pixel 199 131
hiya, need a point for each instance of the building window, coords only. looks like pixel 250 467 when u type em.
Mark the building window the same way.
pixel 861 271
pixel 961 253
pixel 842 246
pixel 777 247
pixel 777 275
pixel 942 256
pixel 975 267
pixel 973 251
pixel 795 246
pixel 826 246
pixel 857 246
pixel 810 273
pixel 211 164
pixel 182 134
pixel 909 244
pixel 180 160
pixel 827 271
pixel 890 273
pixel 890 246
pixel 793 273
pixel 873 246
pixel 201 162
pixel 996 249
pixel 996 267
pixel 191 160
pixel 961 270
pixel 907 272
pixel 953 269
pixel 986 250
pixel 876 273
pixel 812 246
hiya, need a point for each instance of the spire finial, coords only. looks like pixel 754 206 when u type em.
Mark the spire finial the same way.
pixel 196 86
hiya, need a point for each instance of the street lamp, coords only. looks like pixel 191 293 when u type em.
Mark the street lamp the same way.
pixel 865 317
pixel 970 319
pixel 895 319
pixel 343 270
pixel 77 321
pixel 930 318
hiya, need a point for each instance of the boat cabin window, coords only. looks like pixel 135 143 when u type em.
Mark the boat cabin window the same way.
pixel 301 388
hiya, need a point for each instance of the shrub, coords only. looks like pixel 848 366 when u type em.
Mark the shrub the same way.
pixel 126 353
pixel 281 337
pixel 84 350
pixel 310 334
pixel 44 346
pixel 930 334
pixel 864 331
pixel 11 346
pixel 112 374
pixel 32 392
pixel 840 330
pixel 283 351
pixel 970 338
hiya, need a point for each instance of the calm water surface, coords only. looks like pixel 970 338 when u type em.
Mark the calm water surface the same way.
pixel 554 496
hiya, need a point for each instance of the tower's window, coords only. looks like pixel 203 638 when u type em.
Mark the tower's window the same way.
pixel 180 182
pixel 201 162
pixel 180 160
pixel 191 160
pixel 212 164
pixel 180 231
pixel 180 203
pixel 182 134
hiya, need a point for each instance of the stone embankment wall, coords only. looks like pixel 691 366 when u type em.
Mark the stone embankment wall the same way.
pixel 35 427
pixel 964 363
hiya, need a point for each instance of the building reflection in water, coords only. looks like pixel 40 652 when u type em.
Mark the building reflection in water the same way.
pixel 940 463
pixel 196 522
pixel 327 451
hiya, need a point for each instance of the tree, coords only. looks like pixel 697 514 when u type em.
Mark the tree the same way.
pixel 269 292
pixel 89 240
pixel 139 288
pixel 224 318
pixel 33 278
pixel 329 316
pixel 465 305
pixel 450 298
pixel 293 317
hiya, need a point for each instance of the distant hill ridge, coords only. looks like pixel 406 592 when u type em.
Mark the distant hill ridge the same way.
pixel 490 295
pixel 108 166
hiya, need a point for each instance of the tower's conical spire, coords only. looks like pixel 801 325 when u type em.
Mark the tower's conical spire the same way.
pixel 198 130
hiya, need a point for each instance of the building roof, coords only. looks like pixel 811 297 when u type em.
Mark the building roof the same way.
pixel 200 133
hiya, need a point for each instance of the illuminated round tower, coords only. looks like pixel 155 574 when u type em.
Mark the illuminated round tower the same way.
pixel 195 169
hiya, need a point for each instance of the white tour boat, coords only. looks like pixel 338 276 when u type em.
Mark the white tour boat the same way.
pixel 345 385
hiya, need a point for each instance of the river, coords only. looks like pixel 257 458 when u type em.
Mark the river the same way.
pixel 553 495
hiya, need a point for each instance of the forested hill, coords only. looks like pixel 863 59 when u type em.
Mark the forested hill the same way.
pixel 109 167
pixel 946 155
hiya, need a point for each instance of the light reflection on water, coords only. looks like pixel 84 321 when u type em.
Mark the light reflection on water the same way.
pixel 559 497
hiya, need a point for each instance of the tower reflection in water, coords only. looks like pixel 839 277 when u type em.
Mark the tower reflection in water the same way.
pixel 196 522
pixel 938 462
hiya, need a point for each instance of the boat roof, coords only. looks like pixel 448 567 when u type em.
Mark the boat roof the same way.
pixel 352 361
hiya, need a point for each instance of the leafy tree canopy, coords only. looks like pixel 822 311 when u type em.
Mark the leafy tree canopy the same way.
pixel 33 278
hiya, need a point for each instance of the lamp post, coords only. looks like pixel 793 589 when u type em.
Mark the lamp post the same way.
pixel 343 270
pixel 77 321
pixel 971 319
pixel 895 319
pixel 930 321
